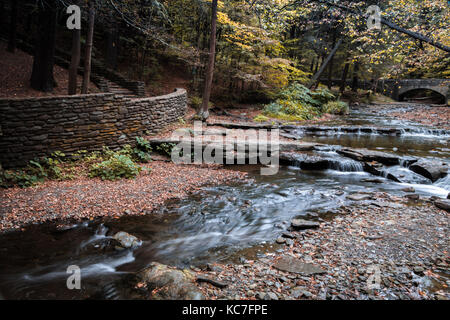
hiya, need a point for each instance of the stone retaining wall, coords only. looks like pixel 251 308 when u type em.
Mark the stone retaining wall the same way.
pixel 37 127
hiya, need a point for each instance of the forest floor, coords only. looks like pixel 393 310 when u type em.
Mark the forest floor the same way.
pixel 85 198
pixel 384 248
pixel 15 75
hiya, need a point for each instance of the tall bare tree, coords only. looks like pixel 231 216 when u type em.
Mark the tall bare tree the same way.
pixel 13 26
pixel 75 60
pixel 42 74
pixel 203 112
pixel 88 52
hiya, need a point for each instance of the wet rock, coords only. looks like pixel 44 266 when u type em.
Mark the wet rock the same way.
pixel 370 155
pixel 299 292
pixel 409 189
pixel 126 240
pixel 372 180
pixel 419 270
pixel 433 170
pixel 168 283
pixel 412 196
pixel 270 296
pixel 385 204
pixel 214 282
pixel 370 168
pixel 359 197
pixel 300 224
pixel 291 264
pixel 288 235
pixel 101 245
pixel 289 242
pixel 211 267
pixel 442 204
pixel 260 295
pixel 281 240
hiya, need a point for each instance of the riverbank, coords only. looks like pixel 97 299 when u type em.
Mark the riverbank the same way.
pixel 428 115
pixel 390 242
pixel 85 198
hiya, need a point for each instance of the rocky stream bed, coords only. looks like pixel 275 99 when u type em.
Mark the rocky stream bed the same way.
pixel 358 210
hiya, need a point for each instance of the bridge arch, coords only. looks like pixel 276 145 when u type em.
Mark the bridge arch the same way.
pixel 439 95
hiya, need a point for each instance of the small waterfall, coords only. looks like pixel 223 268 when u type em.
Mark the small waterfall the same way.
pixel 425 132
pixel 346 165
pixel 444 183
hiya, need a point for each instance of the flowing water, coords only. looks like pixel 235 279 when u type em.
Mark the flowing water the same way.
pixel 218 224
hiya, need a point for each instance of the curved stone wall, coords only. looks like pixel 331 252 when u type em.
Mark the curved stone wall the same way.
pixel 36 127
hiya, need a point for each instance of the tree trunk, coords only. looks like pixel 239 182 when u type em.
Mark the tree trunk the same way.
pixel 324 64
pixel 355 76
pixel 330 67
pixel 312 64
pixel 74 62
pixel 2 14
pixel 344 77
pixel 112 40
pixel 210 69
pixel 42 74
pixel 88 52
pixel 12 39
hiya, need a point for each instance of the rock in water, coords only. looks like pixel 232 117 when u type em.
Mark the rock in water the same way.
pixel 412 196
pixel 370 155
pixel 304 224
pixel 280 240
pixel 127 240
pixel 409 189
pixel 291 264
pixel 372 180
pixel 359 197
pixel 165 283
pixel 433 170
pixel 443 204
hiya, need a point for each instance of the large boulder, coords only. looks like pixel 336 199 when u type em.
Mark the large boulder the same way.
pixel 167 283
pixel 431 169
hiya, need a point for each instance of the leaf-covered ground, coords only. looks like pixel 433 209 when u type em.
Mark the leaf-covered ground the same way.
pixel 85 198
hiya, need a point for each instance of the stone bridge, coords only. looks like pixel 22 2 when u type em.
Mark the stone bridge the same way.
pixel 396 89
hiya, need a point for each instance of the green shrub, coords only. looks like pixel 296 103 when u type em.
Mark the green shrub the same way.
pixel 195 102
pixel 142 150
pixel 29 176
pixel 297 103
pixel 323 96
pixel 116 167
pixel 166 148
pixel 336 107
pixel 298 92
